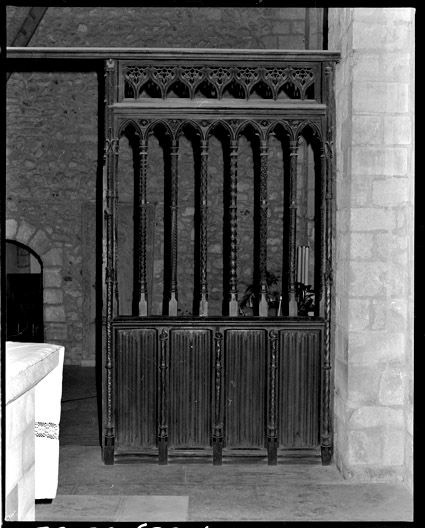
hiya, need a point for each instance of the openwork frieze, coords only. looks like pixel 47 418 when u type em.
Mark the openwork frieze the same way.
pixel 216 82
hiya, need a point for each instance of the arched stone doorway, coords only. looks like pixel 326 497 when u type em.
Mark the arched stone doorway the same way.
pixel 24 293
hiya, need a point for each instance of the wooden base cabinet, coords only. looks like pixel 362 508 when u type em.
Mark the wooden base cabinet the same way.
pixel 216 389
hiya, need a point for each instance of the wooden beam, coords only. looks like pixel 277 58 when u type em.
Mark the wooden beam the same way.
pixel 27 29
pixel 184 54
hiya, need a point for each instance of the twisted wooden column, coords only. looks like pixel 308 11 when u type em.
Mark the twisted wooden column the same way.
pixel 110 170
pixel 218 407
pixel 263 307
pixel 162 400
pixel 326 426
pixel 272 433
pixel 293 310
pixel 203 303
pixel 174 153
pixel 233 302
pixel 141 211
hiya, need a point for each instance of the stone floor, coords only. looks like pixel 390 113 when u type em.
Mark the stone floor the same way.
pixel 232 492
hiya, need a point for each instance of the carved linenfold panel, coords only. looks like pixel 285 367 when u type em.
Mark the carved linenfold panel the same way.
pixel 299 392
pixel 136 387
pixel 297 82
pixel 189 420
pixel 244 407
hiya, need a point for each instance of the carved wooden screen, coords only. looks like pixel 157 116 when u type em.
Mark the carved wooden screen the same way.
pixel 267 97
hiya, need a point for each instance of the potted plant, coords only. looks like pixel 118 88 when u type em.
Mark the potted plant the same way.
pixel 251 296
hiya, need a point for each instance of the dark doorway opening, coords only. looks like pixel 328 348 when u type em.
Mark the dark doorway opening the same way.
pixel 24 294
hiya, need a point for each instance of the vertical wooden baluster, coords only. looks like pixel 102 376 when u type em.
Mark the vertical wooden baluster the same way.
pixel 162 398
pixel 233 302
pixel 263 308
pixel 218 414
pixel 321 256
pixel 172 305
pixel 203 303
pixel 110 166
pixel 326 429
pixel 293 310
pixel 272 438
pixel 143 156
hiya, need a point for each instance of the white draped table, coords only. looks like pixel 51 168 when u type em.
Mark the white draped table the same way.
pixel 33 406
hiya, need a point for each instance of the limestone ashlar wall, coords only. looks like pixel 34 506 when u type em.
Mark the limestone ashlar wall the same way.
pixel 51 171
pixel 176 27
pixel 374 267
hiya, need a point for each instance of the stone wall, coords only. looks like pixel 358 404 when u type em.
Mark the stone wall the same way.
pixel 51 163
pixel 52 151
pixel 374 270
pixel 175 27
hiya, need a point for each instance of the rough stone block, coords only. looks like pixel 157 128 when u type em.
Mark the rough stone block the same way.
pixel 393 447
pixel 367 279
pixel 363 385
pixel 54 313
pixel 376 416
pixel 369 161
pixel 388 245
pixel 358 315
pixel 11 227
pixel 52 277
pixel 379 314
pixel 373 36
pixel 361 191
pixel 364 447
pixel 370 348
pixel 361 246
pixel 397 314
pixel 341 377
pixel 372 219
pixel 390 191
pixel 367 130
pixel 25 232
pixel 53 296
pixel 56 331
pixel 397 283
pixel 366 66
pixel 379 15
pixel 398 130
pixel 395 66
pixel 54 257
pixel 40 242
pixel 392 386
pixel 381 97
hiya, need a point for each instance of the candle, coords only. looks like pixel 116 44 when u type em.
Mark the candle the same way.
pixel 306 262
pixel 299 264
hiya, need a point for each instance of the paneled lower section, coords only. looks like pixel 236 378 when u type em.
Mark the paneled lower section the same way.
pixel 203 389
pixel 189 408
pixel 136 387
pixel 299 389
pixel 244 381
